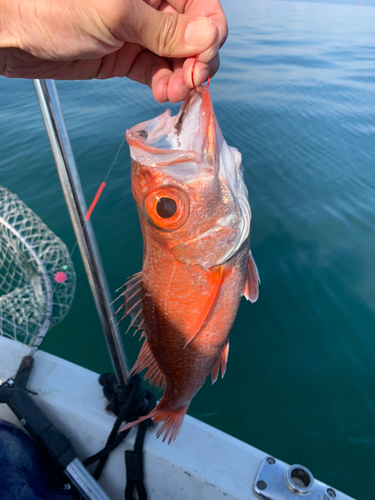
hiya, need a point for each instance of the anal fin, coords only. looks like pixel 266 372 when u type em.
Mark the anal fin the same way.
pixel 147 360
pixel 222 360
pixel 251 288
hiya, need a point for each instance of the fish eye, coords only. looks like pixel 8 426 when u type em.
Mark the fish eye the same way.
pixel 166 207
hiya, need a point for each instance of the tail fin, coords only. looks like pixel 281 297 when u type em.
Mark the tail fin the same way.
pixel 172 421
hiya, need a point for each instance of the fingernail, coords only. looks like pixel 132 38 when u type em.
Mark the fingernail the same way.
pixel 203 76
pixel 165 93
pixel 197 33
pixel 208 54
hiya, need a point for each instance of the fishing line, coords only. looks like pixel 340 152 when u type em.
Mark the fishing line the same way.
pixel 99 191
pixel 74 247
pixel 103 184
pixel 192 74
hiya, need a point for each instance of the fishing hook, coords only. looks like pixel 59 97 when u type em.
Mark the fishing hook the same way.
pixel 192 74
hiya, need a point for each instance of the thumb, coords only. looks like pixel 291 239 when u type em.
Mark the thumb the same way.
pixel 169 34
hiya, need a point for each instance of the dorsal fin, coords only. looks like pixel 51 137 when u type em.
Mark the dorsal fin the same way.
pixel 146 360
pixel 132 301
pixel 217 278
pixel 222 360
pixel 251 288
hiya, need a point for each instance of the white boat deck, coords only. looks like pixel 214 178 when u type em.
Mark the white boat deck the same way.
pixel 203 463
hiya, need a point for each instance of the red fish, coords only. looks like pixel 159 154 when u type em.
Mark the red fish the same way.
pixel 195 218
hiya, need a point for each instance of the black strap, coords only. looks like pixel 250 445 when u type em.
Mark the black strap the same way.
pixel 128 403
pixel 134 475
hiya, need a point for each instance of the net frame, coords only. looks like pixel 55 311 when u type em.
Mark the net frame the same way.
pixel 37 277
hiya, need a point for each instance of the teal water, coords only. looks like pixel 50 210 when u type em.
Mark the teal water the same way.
pixel 296 95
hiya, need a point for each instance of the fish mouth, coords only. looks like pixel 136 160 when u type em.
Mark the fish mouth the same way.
pixel 176 139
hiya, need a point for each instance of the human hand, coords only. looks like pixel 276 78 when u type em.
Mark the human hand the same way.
pixel 151 41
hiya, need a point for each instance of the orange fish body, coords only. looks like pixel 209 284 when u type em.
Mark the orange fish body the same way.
pixel 195 221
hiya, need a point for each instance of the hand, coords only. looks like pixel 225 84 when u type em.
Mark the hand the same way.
pixel 151 41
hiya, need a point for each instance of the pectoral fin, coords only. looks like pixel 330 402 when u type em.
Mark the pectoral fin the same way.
pixel 251 289
pixel 217 278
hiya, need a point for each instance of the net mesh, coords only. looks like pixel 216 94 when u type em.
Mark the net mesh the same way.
pixel 37 278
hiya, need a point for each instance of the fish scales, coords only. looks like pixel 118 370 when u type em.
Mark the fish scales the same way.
pixel 195 220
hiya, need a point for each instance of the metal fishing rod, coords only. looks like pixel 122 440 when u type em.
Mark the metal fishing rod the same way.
pixel 71 185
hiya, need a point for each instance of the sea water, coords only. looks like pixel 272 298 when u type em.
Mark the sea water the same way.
pixel 296 95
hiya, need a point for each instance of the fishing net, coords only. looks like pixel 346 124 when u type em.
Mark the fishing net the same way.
pixel 37 278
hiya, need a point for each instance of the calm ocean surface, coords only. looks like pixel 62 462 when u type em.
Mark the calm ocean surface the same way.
pixel 296 95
